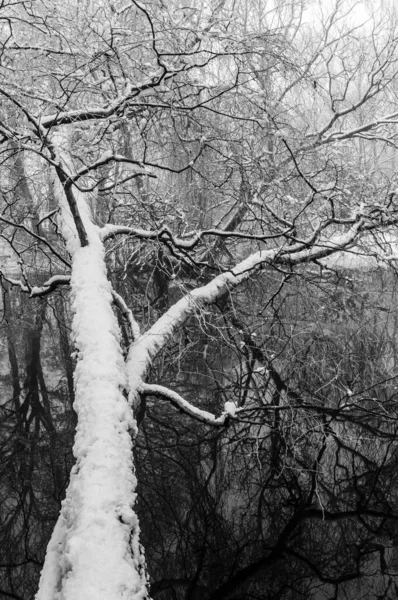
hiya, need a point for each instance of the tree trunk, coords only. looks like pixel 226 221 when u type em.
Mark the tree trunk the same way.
pixel 94 552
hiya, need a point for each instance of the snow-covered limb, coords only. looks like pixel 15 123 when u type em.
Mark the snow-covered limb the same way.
pixel 128 315
pixel 94 112
pixel 110 231
pixel 371 125
pixel 186 242
pixel 50 285
pixel 37 291
pixel 44 49
pixel 17 282
pixel 159 391
pixel 146 348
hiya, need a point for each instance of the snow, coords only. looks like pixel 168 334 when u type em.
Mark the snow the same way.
pixel 109 231
pixel 92 542
pixel 152 341
pixel 143 351
pixel 55 280
pixel 94 552
pixel 230 408
pixel 182 404
pixel 375 250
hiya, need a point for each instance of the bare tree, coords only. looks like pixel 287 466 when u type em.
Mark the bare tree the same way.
pixel 115 119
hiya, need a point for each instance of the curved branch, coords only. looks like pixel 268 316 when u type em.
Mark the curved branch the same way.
pixel 159 391
pixel 134 328
pixel 49 286
pixel 106 159
pixel 38 291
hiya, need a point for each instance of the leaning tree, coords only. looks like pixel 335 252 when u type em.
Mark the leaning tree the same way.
pixel 199 149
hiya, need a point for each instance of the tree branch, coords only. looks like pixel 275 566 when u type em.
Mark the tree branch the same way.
pixel 159 391
pixel 37 237
pixel 128 316
pixel 151 343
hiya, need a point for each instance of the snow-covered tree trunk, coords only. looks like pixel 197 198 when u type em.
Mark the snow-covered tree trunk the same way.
pixel 94 553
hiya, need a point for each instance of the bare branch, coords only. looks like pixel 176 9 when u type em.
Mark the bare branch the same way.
pixel 37 237
pixel 134 328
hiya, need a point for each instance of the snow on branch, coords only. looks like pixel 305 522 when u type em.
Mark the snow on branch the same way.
pixel 105 159
pixel 159 391
pixel 109 231
pixel 16 282
pixel 42 49
pixel 37 291
pixel 366 127
pixel 128 315
pixel 188 241
pixel 143 352
pixel 116 108
pixel 50 285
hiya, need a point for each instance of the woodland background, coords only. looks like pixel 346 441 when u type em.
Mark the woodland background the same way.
pixel 257 124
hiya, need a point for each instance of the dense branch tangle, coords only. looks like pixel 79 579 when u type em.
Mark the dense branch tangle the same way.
pixel 163 163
